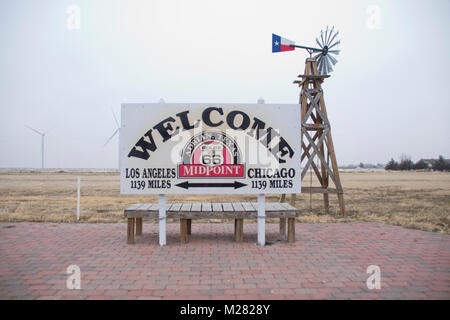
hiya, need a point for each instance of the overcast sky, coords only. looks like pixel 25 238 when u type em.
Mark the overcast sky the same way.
pixel 389 93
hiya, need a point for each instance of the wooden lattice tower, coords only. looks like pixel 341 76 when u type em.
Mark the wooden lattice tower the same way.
pixel 316 139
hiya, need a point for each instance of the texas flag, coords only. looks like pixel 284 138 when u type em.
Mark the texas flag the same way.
pixel 280 44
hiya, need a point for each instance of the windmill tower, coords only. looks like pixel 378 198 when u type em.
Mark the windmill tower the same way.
pixel 316 139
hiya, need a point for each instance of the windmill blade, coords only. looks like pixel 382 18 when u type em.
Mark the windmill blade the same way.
pixel 318 42
pixel 332 39
pixel 319 62
pixel 325 65
pixel 326 36
pixel 112 136
pixel 329 66
pixel 332 59
pixel 336 52
pixel 321 37
pixel 317 56
pixel 322 64
pixel 336 43
pixel 115 119
pixel 329 37
pixel 34 130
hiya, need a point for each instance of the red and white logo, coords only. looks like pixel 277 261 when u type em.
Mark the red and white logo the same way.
pixel 211 154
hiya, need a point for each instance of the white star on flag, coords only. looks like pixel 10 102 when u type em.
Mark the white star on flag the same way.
pixel 276 43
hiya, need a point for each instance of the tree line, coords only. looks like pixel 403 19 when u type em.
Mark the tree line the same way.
pixel 440 164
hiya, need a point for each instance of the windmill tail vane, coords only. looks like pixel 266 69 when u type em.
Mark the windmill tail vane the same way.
pixel 324 55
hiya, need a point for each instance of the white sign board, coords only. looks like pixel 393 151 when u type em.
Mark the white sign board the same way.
pixel 187 148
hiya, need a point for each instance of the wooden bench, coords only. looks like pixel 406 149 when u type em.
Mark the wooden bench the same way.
pixel 188 211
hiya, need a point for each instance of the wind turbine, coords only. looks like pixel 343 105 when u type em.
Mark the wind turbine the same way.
pixel 115 132
pixel 42 134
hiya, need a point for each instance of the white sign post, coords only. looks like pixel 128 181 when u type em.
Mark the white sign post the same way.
pixel 162 219
pixel 187 148
pixel 261 219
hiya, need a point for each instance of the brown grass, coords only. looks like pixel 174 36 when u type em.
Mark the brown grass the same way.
pixel 419 200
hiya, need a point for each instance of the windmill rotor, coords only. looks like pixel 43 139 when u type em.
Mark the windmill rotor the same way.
pixel 325 57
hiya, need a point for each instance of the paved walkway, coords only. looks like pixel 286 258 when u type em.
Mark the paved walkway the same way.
pixel 328 261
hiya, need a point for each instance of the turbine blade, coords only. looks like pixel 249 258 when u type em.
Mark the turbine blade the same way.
pixel 34 130
pixel 115 119
pixel 332 59
pixel 318 42
pixel 319 63
pixel 321 66
pixel 329 67
pixel 112 136
pixel 326 36
pixel 336 52
pixel 317 56
pixel 326 64
pixel 336 43
pixel 329 37
pixel 332 39
pixel 321 37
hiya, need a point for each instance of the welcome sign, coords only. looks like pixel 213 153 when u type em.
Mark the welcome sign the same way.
pixel 210 148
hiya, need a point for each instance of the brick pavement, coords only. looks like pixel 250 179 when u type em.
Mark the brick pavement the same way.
pixel 328 261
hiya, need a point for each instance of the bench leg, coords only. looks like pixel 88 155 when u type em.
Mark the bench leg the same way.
pixel 291 230
pixel 183 230
pixel 138 226
pixel 282 228
pixel 189 222
pixel 130 231
pixel 239 230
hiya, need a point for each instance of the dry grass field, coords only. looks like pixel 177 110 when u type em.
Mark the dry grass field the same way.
pixel 419 200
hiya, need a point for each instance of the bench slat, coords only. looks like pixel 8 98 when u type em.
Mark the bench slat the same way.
pixel 227 207
pixel 287 206
pixel 134 206
pixel 217 207
pixel 175 207
pixel 272 206
pixel 186 207
pixel 145 207
pixel 154 207
pixel 238 207
pixel 206 207
pixel 248 206
pixel 237 210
